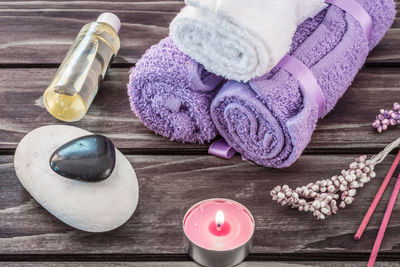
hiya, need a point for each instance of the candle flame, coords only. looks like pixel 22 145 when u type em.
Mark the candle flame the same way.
pixel 219 219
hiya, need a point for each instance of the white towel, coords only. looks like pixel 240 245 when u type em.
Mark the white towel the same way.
pixel 240 39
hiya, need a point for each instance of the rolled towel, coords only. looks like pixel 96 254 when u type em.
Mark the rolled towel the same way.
pixel 171 94
pixel 240 39
pixel 267 119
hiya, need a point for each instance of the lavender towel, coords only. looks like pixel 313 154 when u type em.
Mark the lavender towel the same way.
pixel 171 94
pixel 267 120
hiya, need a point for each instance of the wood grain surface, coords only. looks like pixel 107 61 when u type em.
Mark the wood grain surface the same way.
pixel 192 264
pixel 35 36
pixel 169 185
pixel 30 40
pixel 346 128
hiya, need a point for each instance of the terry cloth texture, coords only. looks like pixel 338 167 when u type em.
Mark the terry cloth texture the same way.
pixel 268 120
pixel 240 39
pixel 171 94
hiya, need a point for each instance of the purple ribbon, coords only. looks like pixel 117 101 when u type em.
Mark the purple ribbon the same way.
pixel 221 149
pixel 357 12
pixel 304 75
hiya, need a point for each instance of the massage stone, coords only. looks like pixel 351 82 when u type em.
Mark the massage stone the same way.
pixel 88 158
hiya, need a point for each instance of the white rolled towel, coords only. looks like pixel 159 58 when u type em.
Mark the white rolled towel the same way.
pixel 240 39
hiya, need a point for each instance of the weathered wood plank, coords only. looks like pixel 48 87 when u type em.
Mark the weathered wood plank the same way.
pixel 346 128
pixel 110 110
pixel 192 264
pixel 41 32
pixel 169 185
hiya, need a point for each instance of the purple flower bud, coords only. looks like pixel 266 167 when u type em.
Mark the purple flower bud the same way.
pixel 396 106
pixel 384 127
pixel 385 122
pixel 380 117
pixel 382 111
pixel 392 122
pixel 379 129
pixel 394 115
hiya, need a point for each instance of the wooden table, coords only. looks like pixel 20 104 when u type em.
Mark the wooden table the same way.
pixel 35 36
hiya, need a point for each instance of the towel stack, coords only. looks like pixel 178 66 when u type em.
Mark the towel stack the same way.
pixel 218 72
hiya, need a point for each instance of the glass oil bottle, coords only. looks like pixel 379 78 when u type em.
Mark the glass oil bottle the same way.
pixel 77 80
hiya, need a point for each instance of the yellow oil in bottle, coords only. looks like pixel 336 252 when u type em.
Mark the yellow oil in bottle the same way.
pixel 77 80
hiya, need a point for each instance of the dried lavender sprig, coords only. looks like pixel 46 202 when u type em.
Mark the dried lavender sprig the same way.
pixel 387 118
pixel 324 198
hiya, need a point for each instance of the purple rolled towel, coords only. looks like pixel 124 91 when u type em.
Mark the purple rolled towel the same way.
pixel 171 94
pixel 267 120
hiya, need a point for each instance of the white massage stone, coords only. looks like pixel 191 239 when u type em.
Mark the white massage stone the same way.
pixel 88 206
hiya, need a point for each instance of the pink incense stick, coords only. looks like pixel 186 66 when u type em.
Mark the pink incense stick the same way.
pixel 384 224
pixel 377 198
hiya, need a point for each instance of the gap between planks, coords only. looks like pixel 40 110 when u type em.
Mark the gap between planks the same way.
pixel 256 257
pixel 193 264
pixel 368 65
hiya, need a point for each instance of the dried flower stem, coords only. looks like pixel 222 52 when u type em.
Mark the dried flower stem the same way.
pixel 325 197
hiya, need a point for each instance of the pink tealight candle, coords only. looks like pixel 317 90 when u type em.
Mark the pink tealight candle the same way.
pixel 218 232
